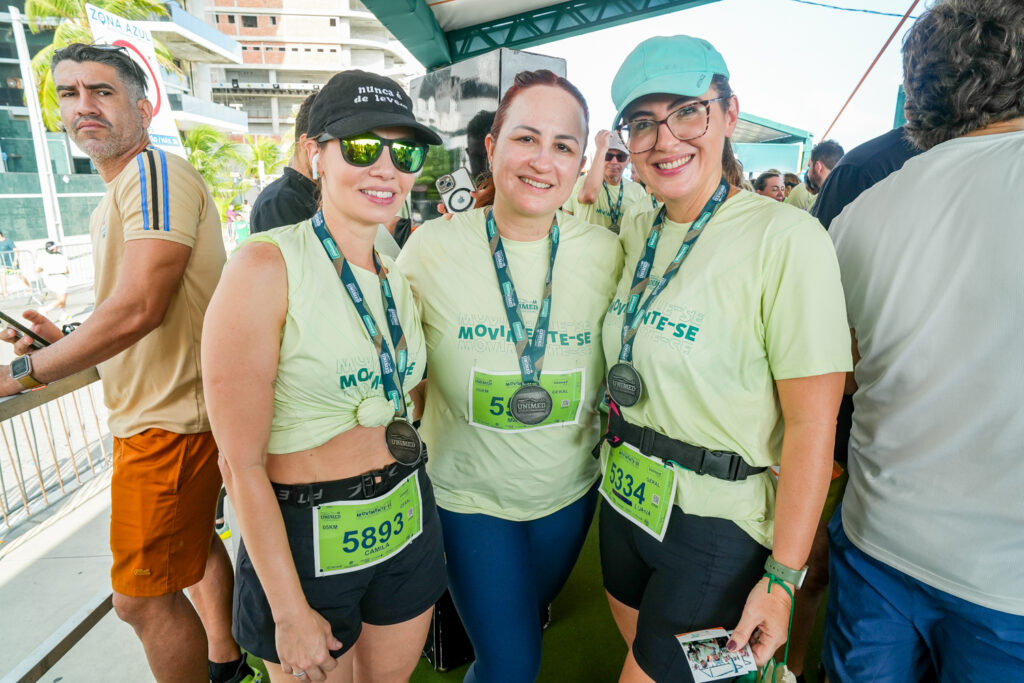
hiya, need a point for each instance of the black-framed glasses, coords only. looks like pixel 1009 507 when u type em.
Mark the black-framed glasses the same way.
pixel 620 157
pixel 688 122
pixel 364 150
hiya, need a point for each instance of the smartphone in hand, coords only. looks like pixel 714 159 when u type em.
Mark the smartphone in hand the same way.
pixel 22 331
pixel 455 190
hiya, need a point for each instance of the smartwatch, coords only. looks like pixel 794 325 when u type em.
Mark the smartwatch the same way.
pixel 781 571
pixel 21 370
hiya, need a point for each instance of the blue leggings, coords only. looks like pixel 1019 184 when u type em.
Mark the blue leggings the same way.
pixel 502 574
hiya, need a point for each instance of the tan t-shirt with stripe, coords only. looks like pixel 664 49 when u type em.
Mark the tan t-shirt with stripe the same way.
pixel 157 381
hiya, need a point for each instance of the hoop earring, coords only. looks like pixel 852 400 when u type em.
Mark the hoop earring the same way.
pixel 315 164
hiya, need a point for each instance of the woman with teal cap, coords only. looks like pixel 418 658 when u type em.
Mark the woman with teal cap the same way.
pixel 727 346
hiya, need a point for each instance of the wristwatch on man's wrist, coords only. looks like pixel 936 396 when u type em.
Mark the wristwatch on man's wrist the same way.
pixel 781 571
pixel 21 370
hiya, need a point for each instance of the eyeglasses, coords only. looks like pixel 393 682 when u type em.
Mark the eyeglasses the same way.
pixel 364 150
pixel 620 157
pixel 689 122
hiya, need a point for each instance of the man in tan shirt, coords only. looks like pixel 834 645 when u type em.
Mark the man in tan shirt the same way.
pixel 158 254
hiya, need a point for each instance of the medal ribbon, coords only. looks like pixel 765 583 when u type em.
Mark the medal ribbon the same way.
pixel 392 373
pixel 531 355
pixel 635 311
pixel 615 211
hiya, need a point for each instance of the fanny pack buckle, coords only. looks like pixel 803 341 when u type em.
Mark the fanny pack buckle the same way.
pixel 718 465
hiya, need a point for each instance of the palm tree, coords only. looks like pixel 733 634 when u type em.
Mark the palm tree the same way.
pixel 216 159
pixel 72 26
pixel 265 149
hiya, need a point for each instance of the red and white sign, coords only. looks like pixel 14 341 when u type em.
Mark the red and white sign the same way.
pixel 110 29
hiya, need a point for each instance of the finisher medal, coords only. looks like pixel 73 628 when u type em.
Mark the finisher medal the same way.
pixel 625 385
pixel 403 442
pixel 531 404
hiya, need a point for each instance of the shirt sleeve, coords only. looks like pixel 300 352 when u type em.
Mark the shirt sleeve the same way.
pixel 843 185
pixel 802 304
pixel 159 198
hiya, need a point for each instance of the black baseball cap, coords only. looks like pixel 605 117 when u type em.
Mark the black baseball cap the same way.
pixel 357 101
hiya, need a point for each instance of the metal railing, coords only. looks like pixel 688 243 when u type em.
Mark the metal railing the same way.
pixel 80 268
pixel 53 439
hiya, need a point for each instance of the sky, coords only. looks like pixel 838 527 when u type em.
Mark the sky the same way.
pixel 790 62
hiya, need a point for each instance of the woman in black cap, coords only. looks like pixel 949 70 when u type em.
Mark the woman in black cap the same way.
pixel 311 344
pixel 727 348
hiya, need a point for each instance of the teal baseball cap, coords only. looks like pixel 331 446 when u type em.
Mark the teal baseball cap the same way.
pixel 677 65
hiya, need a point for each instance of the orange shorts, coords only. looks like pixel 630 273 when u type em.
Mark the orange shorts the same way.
pixel 163 497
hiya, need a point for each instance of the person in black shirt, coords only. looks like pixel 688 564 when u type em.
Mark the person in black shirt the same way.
pixel 292 198
pixel 858 170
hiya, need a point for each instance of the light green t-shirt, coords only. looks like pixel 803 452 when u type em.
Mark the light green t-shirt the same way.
pixel 599 213
pixel 482 461
pixel 759 299
pixel 328 374
pixel 801 197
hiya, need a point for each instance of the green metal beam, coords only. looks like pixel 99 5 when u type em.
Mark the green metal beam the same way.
pixel 552 23
pixel 797 134
pixel 413 24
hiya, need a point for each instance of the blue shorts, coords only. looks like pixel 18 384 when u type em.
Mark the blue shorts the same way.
pixel 883 625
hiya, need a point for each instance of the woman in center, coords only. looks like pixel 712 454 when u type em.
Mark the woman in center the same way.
pixel 512 298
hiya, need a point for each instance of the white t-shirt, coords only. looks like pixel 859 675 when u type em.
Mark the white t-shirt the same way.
pixel 931 264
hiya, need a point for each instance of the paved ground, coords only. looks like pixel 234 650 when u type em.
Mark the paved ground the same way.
pixel 53 569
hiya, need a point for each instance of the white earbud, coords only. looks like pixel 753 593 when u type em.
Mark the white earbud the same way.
pixel 316 166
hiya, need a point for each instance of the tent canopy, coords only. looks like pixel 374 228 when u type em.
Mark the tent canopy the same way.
pixel 441 32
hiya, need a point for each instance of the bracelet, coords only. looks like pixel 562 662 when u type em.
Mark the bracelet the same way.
pixel 772 580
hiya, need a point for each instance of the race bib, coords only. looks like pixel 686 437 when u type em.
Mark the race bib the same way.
pixel 489 394
pixel 642 489
pixel 353 534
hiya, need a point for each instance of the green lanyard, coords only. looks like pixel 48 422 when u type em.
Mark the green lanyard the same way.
pixel 614 210
pixel 531 355
pixel 392 372
pixel 635 310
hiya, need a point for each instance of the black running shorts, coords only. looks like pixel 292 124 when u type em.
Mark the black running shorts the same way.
pixel 393 591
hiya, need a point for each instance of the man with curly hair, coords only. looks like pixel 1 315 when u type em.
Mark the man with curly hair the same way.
pixel 926 551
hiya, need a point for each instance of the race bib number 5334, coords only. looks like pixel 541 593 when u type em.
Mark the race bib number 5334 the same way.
pixel 640 488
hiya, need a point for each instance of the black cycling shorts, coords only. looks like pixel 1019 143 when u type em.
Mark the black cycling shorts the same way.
pixel 698 577
pixel 393 591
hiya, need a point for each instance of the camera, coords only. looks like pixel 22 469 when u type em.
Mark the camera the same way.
pixel 455 190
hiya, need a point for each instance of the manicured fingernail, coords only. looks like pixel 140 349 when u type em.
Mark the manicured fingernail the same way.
pixel 731 645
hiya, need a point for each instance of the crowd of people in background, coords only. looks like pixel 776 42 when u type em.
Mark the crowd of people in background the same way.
pixel 414 415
